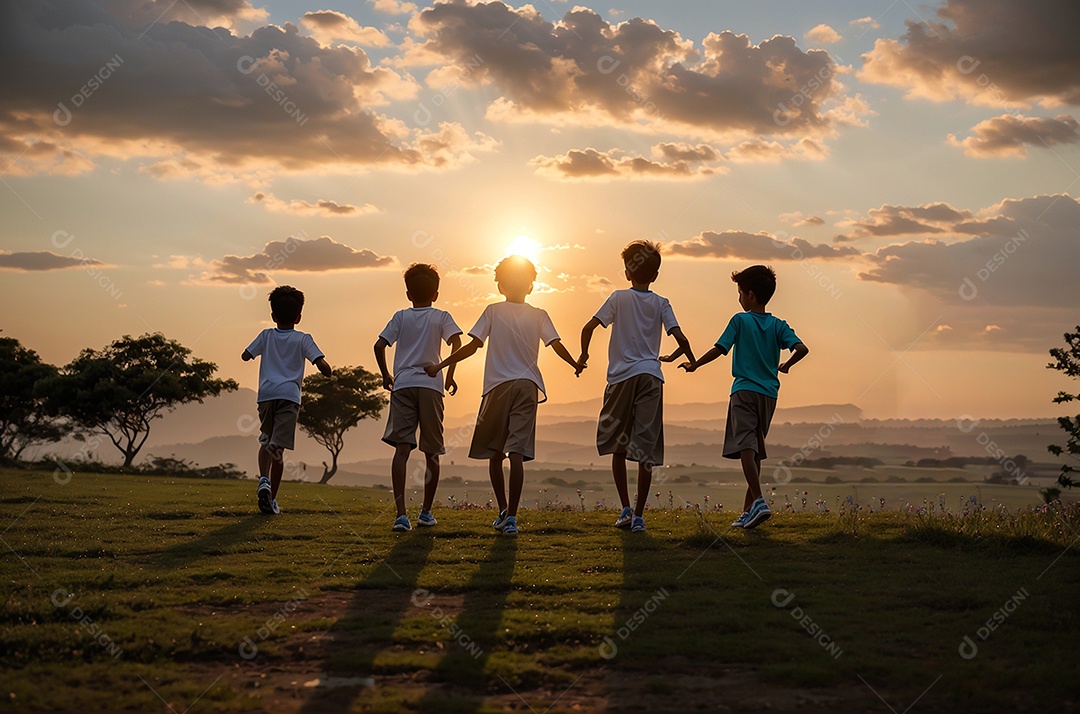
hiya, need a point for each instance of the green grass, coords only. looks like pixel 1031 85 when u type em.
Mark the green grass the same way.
pixel 163 586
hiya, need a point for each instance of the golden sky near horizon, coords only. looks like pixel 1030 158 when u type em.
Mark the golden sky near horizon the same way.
pixel 908 175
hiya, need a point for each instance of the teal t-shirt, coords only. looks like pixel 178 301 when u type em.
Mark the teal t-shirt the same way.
pixel 757 338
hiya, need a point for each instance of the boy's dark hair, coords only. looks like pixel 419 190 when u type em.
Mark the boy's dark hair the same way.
pixel 286 302
pixel 757 279
pixel 515 271
pixel 422 281
pixel 642 260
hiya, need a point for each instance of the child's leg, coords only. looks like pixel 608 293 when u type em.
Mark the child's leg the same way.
pixel 517 482
pixel 264 461
pixel 751 466
pixel 431 480
pixel 397 475
pixel 644 483
pixel 277 466
pixel 618 472
pixel 495 472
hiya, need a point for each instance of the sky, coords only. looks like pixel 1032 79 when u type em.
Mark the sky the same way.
pixel 907 169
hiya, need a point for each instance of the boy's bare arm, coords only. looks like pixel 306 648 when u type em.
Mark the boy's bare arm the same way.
pixel 380 359
pixel 704 359
pixel 323 366
pixel 684 344
pixel 560 349
pixel 800 350
pixel 247 356
pixel 673 356
pixel 586 339
pixel 451 385
pixel 456 356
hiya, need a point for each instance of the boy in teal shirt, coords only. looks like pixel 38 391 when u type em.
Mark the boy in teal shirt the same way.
pixel 757 338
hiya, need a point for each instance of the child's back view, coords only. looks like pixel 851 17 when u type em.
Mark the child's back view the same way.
pixel 757 338
pixel 281 371
pixel 631 424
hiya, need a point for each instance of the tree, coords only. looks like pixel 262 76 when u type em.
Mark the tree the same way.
pixel 1067 361
pixel 118 391
pixel 25 416
pixel 333 405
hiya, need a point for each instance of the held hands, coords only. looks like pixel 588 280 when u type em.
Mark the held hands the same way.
pixel 582 364
pixel 688 366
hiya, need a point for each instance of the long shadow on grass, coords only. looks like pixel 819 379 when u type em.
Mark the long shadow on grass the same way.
pixel 367 628
pixel 210 543
pixel 461 671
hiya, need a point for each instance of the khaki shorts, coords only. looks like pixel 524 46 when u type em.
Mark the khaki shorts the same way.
pixel 414 407
pixel 632 420
pixel 748 418
pixel 277 422
pixel 507 421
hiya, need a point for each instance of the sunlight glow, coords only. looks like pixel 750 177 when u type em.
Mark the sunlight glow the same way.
pixel 525 246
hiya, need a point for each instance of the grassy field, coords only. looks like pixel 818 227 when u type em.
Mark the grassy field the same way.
pixel 148 594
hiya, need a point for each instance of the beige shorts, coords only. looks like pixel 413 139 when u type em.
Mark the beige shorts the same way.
pixel 412 408
pixel 632 420
pixel 748 418
pixel 507 421
pixel 277 422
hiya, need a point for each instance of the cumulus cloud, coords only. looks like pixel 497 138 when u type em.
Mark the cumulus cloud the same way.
pixel 864 23
pixel 329 25
pixel 824 34
pixel 293 254
pixel 889 220
pixel 761 246
pixel 797 219
pixel 764 151
pixel 321 207
pixel 586 70
pixel 91 86
pixel 590 164
pixel 1024 254
pixel 990 52
pixel 39 260
pixel 686 152
pixel 1010 135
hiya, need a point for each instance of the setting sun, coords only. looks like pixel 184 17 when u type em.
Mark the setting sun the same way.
pixel 526 247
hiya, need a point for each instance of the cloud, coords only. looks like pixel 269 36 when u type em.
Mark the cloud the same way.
pixel 321 207
pixel 209 100
pixel 210 13
pixel 635 74
pixel 394 7
pixel 759 246
pixel 1025 254
pixel 40 260
pixel 317 255
pixel 990 52
pixel 824 34
pixel 1009 135
pixel 763 151
pixel 797 220
pixel 864 23
pixel 590 164
pixel 329 25
pixel 889 220
pixel 685 152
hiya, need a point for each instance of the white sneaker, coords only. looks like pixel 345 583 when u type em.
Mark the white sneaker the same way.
pixel 274 508
pixel 625 518
pixel 263 494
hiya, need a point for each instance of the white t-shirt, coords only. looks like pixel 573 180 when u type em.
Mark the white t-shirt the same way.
pixel 419 333
pixel 282 366
pixel 516 331
pixel 638 320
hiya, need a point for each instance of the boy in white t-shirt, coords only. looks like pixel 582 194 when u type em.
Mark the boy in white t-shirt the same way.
pixel 281 371
pixel 416 399
pixel 506 424
pixel 631 424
